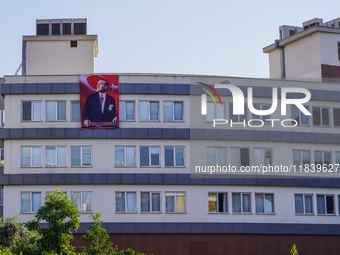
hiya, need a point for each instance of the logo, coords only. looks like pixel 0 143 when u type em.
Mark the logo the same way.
pixel 238 103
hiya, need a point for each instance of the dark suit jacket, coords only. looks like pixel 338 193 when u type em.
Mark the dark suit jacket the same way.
pixel 93 112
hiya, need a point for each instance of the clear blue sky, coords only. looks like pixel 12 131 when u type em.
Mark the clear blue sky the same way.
pixel 218 37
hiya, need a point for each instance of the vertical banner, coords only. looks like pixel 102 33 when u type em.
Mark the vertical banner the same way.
pixel 99 101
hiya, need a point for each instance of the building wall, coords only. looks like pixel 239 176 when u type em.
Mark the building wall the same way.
pixel 57 57
pixel 274 64
pixel 329 49
pixel 303 59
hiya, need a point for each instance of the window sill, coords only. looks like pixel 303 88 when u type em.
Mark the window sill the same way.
pixel 125 167
pixel 28 212
pixel 125 212
pixel 241 213
pixel 56 120
pixel 175 212
pixel 81 166
pixel 150 212
pixel 173 121
pixel 149 121
pixel 56 166
pixel 31 167
pixel 326 215
pixel 150 167
pixel 90 212
pixel 304 214
pixel 127 120
pixel 218 213
pixel 265 213
pixel 174 166
pixel 28 121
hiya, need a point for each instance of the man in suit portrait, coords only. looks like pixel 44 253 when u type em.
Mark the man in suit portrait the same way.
pixel 100 107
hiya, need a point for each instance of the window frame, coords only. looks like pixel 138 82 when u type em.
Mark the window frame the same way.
pixel 31 110
pixel 174 156
pixel 304 195
pixel 31 156
pixel 81 155
pixel 126 202
pixel 323 157
pixel 321 116
pixel 2 118
pixel 216 155
pixel 125 156
pixel 149 155
pixel 301 151
pixel 299 118
pixel 175 201
pixel 263 156
pixel 325 204
pixel 71 111
pixel 264 207
pixel 173 111
pixel 30 201
pixel 224 199
pixel 81 209
pixel 56 110
pixel 148 110
pixel 150 193
pixel 241 203
pixel 56 147
pixel 240 156
pixel 122 115
pixel 207 116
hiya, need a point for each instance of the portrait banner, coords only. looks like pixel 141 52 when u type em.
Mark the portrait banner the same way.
pixel 99 101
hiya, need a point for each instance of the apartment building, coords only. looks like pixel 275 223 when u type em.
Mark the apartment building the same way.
pixel 172 180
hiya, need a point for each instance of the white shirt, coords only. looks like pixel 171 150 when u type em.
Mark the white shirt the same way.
pixel 104 96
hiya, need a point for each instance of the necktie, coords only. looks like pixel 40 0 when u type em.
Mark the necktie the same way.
pixel 101 102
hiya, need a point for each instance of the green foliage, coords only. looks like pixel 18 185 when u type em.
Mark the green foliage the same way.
pixel 6 251
pixel 98 238
pixel 16 237
pixel 61 215
pixel 128 252
pixel 293 250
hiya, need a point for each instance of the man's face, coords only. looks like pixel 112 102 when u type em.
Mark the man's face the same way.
pixel 101 87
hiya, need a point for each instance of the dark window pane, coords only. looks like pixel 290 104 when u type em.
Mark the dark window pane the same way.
pixel 66 28
pixel 144 156
pixel 74 44
pixel 325 118
pixel 42 29
pixel 56 29
pixel 330 204
pixel 169 156
pixel 80 28
pixel 26 111
pixel 244 157
pixel 336 114
pixel 316 116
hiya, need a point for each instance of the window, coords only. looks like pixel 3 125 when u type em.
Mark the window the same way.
pixel 126 110
pixel 2 152
pixel 148 110
pixel 339 47
pixel 66 28
pixel 336 117
pixel 297 115
pixel 174 156
pixel 55 156
pixel 31 111
pixel 323 157
pixel 79 28
pixel 2 118
pixel 241 203
pixel 320 116
pixel 262 157
pixel 125 201
pixel 1 195
pixel 150 201
pixel 42 29
pixel 81 156
pixel 301 158
pixel 175 202
pixel 218 202
pixel 303 203
pixel 75 111
pixel 125 156
pixel 56 29
pixel 30 156
pixel 172 111
pixel 261 107
pixel 239 157
pixel 216 156
pixel 237 118
pixel 337 159
pixel 55 110
pixel 264 203
pixel 149 156
pixel 30 201
pixel 214 111
pixel 82 200
pixel 325 204
pixel 74 44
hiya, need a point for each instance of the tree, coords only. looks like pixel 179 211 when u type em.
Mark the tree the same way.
pixel 293 250
pixel 15 236
pixel 61 215
pixel 98 237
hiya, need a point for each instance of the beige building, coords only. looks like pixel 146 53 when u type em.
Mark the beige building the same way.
pixel 153 180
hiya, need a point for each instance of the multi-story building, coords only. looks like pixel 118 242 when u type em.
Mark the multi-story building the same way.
pixel 310 52
pixel 148 178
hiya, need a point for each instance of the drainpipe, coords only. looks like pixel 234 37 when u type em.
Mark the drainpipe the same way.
pixel 282 59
